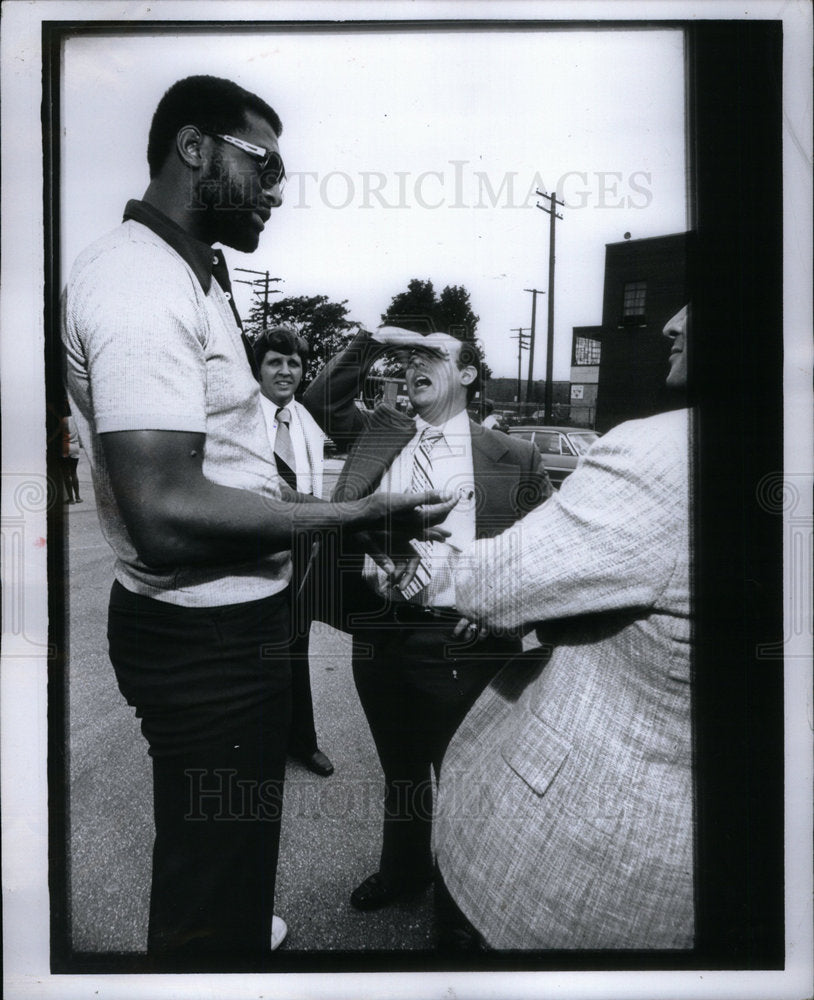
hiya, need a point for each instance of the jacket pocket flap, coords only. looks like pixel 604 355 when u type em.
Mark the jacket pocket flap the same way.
pixel 536 753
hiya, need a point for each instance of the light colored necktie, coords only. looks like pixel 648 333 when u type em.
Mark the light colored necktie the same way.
pixel 284 450
pixel 420 482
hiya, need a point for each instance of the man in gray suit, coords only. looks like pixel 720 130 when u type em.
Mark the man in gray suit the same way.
pixel 417 666
pixel 565 811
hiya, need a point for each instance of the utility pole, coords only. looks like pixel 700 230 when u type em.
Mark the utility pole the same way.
pixel 263 280
pixel 522 345
pixel 534 293
pixel 549 360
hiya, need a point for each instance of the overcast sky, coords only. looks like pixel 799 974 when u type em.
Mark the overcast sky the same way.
pixel 413 154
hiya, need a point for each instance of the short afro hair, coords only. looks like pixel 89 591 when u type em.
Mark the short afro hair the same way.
pixel 211 103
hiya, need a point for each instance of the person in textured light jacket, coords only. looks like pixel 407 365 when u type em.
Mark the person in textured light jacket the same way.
pixel 565 811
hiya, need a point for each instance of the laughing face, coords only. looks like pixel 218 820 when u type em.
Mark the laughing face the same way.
pixel 280 376
pixel 436 385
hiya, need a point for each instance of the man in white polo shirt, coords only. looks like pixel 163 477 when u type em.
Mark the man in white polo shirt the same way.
pixel 168 409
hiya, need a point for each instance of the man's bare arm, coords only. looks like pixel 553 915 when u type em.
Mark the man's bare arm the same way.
pixel 176 516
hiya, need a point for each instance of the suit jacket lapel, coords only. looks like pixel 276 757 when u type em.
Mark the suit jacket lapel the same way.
pixel 314 445
pixel 496 481
pixel 373 453
pixel 386 435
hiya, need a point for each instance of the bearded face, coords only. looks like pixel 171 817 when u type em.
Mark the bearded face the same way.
pixel 230 195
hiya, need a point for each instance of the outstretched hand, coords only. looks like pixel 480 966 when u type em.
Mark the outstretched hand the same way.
pixel 411 515
pixel 405 516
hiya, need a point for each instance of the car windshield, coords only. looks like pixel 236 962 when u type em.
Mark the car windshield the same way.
pixel 548 442
pixel 582 440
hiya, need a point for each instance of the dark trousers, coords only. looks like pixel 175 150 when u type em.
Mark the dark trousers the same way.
pixel 416 683
pixel 453 931
pixel 212 688
pixel 69 477
pixel 303 738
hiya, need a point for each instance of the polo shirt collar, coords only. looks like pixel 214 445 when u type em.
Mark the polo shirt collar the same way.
pixel 201 257
pixel 205 261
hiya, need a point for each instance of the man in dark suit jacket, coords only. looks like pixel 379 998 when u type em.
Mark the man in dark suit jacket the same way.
pixel 418 666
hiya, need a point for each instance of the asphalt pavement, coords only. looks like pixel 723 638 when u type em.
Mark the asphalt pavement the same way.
pixel 331 829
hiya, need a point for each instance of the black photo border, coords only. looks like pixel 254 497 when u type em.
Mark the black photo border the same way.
pixel 735 180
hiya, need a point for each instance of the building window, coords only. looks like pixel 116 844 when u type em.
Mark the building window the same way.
pixel 586 351
pixel 633 302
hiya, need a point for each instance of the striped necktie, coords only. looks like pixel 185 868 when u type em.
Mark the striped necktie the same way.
pixel 421 481
pixel 284 450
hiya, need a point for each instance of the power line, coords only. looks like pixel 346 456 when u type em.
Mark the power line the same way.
pixel 263 280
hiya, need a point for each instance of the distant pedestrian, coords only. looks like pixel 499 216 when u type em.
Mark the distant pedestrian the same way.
pixel 70 459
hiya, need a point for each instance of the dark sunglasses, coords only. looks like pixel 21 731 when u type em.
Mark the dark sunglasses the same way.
pixel 269 161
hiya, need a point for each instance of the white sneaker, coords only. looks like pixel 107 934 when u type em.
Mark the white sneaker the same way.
pixel 279 930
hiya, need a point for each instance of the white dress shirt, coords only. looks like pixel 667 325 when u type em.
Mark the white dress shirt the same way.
pixel 452 471
pixel 308 459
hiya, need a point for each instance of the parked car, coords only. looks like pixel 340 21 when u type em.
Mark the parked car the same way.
pixel 505 418
pixel 508 418
pixel 559 446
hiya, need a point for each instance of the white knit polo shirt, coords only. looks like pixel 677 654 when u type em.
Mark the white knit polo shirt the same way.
pixel 147 348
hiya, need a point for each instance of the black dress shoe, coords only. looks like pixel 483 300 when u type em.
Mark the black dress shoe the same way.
pixel 373 893
pixel 318 763
pixel 376 891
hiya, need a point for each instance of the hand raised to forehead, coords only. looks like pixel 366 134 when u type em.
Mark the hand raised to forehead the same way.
pixel 408 340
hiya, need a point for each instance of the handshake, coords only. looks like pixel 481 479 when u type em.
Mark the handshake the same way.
pixel 400 519
pixel 440 376
pixel 409 517
pixel 385 524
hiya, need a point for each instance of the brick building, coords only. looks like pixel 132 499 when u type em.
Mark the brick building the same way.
pixel 645 284
pixel 618 368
